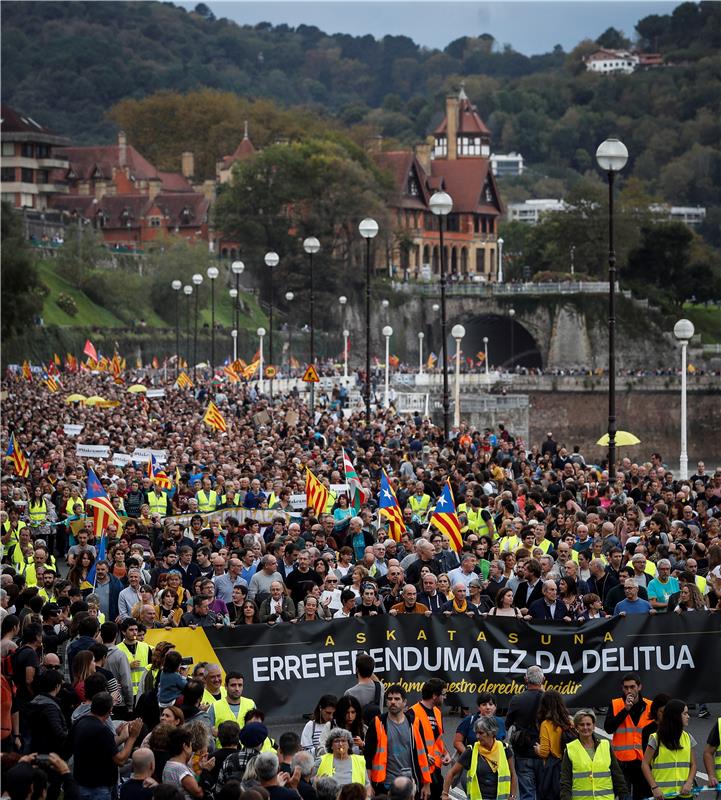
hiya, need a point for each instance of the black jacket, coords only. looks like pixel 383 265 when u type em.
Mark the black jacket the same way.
pixel 519 598
pixel 48 729
pixel 539 609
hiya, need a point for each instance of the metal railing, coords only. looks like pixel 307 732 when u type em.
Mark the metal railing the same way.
pixel 508 289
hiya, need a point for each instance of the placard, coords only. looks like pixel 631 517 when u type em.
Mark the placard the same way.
pixel 72 430
pixel 92 450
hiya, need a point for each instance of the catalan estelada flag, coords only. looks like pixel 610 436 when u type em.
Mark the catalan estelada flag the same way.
pixel 316 493
pixel 251 369
pixel 51 382
pixel 183 381
pixel 16 455
pixel 445 517
pixel 27 372
pixel 214 419
pixel 160 478
pixel 231 374
pixel 388 506
pixel 432 359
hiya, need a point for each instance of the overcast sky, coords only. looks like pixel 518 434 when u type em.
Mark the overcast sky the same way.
pixel 530 26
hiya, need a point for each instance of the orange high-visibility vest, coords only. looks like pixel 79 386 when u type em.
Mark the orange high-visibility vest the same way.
pixel 434 746
pixel 380 757
pixel 626 742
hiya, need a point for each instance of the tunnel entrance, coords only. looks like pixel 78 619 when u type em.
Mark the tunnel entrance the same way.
pixel 509 343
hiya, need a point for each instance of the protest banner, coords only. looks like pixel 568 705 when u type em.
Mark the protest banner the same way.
pixel 92 450
pixel 155 393
pixel 141 454
pixel 264 516
pixel 121 459
pixel 287 667
pixel 72 430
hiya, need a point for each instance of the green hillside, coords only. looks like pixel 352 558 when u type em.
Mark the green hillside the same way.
pixel 89 314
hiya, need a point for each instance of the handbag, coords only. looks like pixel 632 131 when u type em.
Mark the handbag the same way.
pixel 549 779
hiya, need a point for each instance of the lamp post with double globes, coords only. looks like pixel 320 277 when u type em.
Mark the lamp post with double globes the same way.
pixel 176 286
pixel 611 157
pixel 683 330
pixel 237 268
pixel 421 335
pixel 311 246
pixel 388 332
pixel 457 332
pixel 441 205
pixel 272 259
pixel 197 280
pixel 234 337
pixel 485 351
pixel 368 229
pixel 212 275
pixel 499 276
pixel 187 291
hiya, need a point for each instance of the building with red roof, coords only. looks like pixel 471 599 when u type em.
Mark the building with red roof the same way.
pixel 456 160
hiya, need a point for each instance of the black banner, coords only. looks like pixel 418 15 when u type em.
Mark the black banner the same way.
pixel 288 667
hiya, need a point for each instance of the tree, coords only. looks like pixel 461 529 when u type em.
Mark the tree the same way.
pixel 613 39
pixel 19 277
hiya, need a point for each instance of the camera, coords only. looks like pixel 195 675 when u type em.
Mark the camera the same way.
pixel 186 661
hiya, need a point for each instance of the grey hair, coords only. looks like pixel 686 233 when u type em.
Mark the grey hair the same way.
pixel 486 725
pixel 326 788
pixel 305 761
pixel 337 733
pixel 663 562
pixel 534 676
pixel 266 766
pixel 584 712
pixel 467 557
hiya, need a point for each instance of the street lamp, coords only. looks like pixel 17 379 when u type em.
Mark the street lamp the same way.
pixel 368 229
pixel 420 352
pixel 485 350
pixel 234 337
pixel 343 300
pixel 212 275
pixel 346 334
pixel 512 314
pixel 683 330
pixel 458 332
pixel 611 157
pixel 289 296
pixel 176 286
pixel 387 332
pixel 187 291
pixel 311 245
pixel 441 205
pixel 237 268
pixel 197 280
pixel 499 276
pixel 261 334
pixel 271 260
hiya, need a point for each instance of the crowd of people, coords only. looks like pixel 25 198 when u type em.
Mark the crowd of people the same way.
pixel 545 535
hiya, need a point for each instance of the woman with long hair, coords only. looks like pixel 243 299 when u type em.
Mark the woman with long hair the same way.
pixel 168 611
pixel 157 657
pixel 177 772
pixel 359 575
pixel 504 604
pixel 83 666
pixel 78 574
pixel 554 722
pixel 349 716
pixel 318 727
pixel 443 586
pixel 690 599
pixel 568 592
pixel 669 763
pixel 249 615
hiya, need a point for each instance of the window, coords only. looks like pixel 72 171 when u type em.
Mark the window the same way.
pixel 186 216
pixel 8 148
pixel 7 175
pixel 43 176
pixel 28 150
pixel 27 175
pixel 102 219
pixel 43 151
pixel 155 222
pixel 26 200
pixel 413 188
pixel 441 148
pixel 453 223
pixel 469 146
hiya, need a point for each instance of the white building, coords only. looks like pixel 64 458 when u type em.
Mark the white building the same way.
pixel 689 215
pixel 530 212
pixel 511 164
pixel 606 61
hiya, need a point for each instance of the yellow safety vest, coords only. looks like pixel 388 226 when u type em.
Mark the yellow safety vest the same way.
pixel 419 506
pixel 358 768
pixel 38 512
pixel 545 545
pixel 208 698
pixel 504 775
pixel 70 505
pixel 158 505
pixel 330 502
pixel 207 501
pixel 717 754
pixel 670 768
pixel 14 535
pixel 591 778
pixel 142 654
pixel 224 713
pixel 31 578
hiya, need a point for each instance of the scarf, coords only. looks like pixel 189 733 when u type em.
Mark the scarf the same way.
pixel 492 756
pixel 460 609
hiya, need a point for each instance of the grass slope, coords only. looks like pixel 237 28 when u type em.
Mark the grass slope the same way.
pixel 89 313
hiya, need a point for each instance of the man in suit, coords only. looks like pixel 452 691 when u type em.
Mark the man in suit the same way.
pixel 549 607
pixel 531 589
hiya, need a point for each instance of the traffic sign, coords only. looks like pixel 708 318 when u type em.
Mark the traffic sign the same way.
pixel 311 375
pixel 270 371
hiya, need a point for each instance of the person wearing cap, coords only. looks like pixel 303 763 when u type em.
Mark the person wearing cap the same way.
pixel 252 737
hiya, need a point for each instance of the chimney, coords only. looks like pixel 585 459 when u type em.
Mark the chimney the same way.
pixel 187 161
pixel 452 126
pixel 423 154
pixel 122 149
pixel 155 186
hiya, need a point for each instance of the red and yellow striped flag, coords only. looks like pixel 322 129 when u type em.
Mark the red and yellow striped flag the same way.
pixel 183 381
pixel 445 517
pixel 315 492
pixel 27 372
pixel 16 455
pixel 214 419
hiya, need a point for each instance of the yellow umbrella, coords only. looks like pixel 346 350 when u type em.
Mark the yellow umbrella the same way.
pixel 137 388
pixel 75 398
pixel 94 400
pixel 108 403
pixel 623 439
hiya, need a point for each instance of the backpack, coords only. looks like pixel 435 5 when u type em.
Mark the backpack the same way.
pixel 373 709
